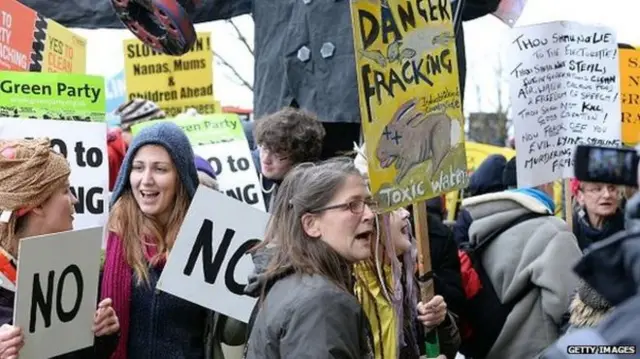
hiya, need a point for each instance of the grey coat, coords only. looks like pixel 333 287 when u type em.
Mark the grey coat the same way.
pixel 304 316
pixel 309 317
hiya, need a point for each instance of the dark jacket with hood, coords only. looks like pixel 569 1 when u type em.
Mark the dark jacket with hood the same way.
pixel 304 316
pixel 101 349
pixel 612 268
pixel 487 178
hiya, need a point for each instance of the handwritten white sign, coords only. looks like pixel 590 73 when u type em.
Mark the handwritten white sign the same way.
pixel 564 83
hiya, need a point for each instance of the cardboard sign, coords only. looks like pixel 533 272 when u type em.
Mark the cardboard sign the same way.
pixel 175 83
pixel 31 42
pixel 55 302
pixel 84 144
pixel 209 264
pixel 52 96
pixel 565 88
pixel 408 82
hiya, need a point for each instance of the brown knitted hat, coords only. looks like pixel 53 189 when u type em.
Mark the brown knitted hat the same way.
pixel 30 173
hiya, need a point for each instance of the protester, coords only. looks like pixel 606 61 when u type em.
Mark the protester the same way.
pixel 529 263
pixel 35 195
pixel 155 186
pixel 487 178
pixel 284 139
pixel 206 174
pixel 322 223
pixel 386 286
pixel 610 267
pixel 597 214
pixel 118 139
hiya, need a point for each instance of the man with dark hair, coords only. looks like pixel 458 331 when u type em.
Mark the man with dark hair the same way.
pixel 284 139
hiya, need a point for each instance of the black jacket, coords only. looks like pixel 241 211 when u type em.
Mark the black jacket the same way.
pixel 445 264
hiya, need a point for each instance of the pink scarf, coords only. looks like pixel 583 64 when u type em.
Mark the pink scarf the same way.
pixel 116 284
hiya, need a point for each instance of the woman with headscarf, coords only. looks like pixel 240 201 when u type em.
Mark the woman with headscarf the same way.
pixel 35 199
pixel 154 189
pixel 386 288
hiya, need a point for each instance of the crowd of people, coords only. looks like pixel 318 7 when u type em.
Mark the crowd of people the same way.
pixel 329 284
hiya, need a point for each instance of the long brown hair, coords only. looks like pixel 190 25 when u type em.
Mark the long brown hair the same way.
pixel 305 188
pixel 136 228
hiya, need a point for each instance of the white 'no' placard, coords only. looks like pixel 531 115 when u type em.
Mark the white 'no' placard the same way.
pixel 209 264
pixel 57 292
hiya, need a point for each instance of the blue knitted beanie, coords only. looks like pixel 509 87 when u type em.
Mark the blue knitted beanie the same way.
pixel 173 139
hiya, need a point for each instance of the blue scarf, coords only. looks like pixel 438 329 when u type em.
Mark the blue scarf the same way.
pixel 542 197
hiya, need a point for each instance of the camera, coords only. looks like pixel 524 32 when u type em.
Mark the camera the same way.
pixel 617 166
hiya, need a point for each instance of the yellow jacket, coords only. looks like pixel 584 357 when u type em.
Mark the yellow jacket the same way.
pixel 379 311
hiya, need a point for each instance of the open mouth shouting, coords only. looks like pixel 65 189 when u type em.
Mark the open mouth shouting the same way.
pixel 364 236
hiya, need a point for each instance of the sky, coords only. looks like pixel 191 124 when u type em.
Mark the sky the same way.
pixel 484 38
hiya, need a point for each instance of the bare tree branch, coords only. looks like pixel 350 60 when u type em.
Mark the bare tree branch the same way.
pixel 235 72
pixel 241 36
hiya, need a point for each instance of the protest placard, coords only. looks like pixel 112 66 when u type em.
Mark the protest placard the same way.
pixel 57 291
pixel 31 42
pixel 174 83
pixel 409 100
pixel 84 144
pixel 220 140
pixel 52 96
pixel 630 95
pixel 565 85
pixel 209 263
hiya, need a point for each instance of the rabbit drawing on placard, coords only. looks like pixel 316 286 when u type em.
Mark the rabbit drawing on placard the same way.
pixel 412 137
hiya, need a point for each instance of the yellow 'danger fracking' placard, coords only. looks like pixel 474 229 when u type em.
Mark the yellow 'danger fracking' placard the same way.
pixel 174 83
pixel 409 99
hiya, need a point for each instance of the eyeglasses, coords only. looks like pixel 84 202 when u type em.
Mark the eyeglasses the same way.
pixel 355 206
pixel 278 156
pixel 599 189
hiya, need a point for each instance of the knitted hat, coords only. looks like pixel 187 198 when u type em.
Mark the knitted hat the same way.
pixel 204 166
pixel 137 111
pixel 174 140
pixel 509 178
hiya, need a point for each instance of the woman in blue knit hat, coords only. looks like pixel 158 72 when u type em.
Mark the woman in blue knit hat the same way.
pixel 154 189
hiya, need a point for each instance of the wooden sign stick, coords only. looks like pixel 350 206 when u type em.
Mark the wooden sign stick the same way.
pixel 425 279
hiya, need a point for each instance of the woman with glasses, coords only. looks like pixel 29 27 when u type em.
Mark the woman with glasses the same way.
pixel 597 214
pixel 322 224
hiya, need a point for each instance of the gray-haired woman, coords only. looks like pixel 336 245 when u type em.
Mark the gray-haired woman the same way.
pixel 322 222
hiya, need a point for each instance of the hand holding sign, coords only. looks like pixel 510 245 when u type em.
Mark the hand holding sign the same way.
pixel 105 321
pixel 11 341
